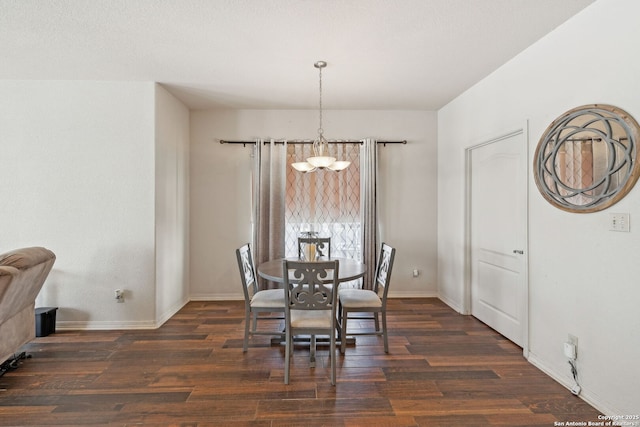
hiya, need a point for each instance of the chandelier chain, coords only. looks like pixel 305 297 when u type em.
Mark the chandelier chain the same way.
pixel 320 160
pixel 320 130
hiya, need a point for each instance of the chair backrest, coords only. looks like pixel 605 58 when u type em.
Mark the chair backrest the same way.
pixel 322 244
pixel 310 285
pixel 247 272
pixel 383 270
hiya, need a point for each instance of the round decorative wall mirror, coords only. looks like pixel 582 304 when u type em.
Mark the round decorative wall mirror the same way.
pixel 587 159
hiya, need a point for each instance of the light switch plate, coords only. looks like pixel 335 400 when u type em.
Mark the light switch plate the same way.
pixel 619 222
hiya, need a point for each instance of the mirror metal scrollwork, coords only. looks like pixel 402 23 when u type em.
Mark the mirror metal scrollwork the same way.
pixel 587 159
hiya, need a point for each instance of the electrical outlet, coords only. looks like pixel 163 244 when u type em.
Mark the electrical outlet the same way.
pixel 416 272
pixel 571 347
pixel 570 350
pixel 119 295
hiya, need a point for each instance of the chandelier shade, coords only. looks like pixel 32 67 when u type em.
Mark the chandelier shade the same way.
pixel 303 167
pixel 319 160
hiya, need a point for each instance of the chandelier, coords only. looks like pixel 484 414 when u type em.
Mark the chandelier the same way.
pixel 319 160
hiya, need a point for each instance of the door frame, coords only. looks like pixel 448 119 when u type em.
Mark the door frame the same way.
pixel 466 301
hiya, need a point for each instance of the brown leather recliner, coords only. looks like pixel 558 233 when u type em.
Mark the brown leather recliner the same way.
pixel 22 274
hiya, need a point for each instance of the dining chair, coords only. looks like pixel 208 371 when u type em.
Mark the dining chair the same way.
pixel 310 306
pixel 322 246
pixel 257 301
pixel 369 301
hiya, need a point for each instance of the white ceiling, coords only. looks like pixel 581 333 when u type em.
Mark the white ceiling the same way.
pixel 381 54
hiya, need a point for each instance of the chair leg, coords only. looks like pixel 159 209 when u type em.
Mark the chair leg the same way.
pixel 343 330
pixel 312 352
pixel 384 331
pixel 376 321
pixel 332 357
pixel 255 321
pixel 287 357
pixel 247 320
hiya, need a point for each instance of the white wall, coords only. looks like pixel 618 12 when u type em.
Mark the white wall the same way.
pixel 78 178
pixel 221 189
pixel 583 279
pixel 172 204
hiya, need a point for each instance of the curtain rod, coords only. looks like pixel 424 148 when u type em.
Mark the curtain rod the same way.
pixel 331 141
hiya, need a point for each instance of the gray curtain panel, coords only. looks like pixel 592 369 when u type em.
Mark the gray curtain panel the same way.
pixel 369 209
pixel 269 207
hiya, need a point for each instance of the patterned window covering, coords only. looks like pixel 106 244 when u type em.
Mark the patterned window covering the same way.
pixel 324 202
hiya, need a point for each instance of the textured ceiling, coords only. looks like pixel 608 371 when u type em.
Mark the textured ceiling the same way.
pixel 381 54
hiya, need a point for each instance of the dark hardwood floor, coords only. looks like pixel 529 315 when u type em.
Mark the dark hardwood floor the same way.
pixel 443 369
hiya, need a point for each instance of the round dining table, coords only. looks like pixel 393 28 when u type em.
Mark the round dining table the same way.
pixel 349 269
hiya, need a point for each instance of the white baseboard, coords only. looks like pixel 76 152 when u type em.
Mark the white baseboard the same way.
pixel 450 303
pixel 88 325
pixel 412 294
pixel 170 313
pixel 567 381
pixel 216 297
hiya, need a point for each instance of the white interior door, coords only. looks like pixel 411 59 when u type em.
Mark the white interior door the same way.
pixel 498 234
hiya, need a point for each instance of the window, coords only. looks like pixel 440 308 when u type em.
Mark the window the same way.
pixel 324 201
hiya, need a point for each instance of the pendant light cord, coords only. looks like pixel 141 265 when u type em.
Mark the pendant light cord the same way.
pixel 320 66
